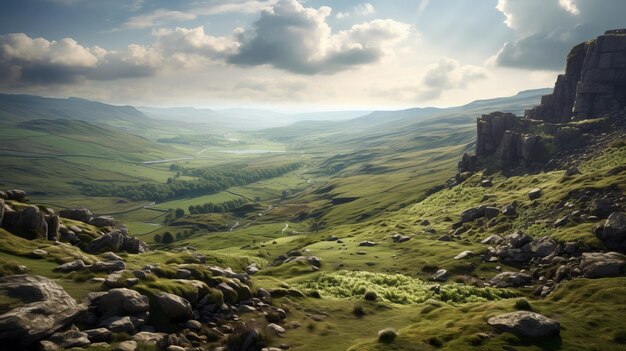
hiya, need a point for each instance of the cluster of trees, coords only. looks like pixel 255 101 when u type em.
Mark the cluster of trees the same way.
pixel 174 140
pixel 168 237
pixel 210 207
pixel 211 180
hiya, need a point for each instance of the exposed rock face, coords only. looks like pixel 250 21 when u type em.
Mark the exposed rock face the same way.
pixel 1 210
pixel 526 324
pixel 46 309
pixel 491 129
pixel 102 221
pixel 593 83
pixel 29 223
pixel 53 227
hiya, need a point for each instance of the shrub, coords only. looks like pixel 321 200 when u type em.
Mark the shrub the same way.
pixel 358 310
pixel 157 238
pixel 370 296
pixel 387 335
pixel 435 341
pixel 246 335
pixel 523 304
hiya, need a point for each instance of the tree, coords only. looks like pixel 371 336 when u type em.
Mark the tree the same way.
pixel 157 238
pixel 167 238
pixel 179 212
pixel 179 236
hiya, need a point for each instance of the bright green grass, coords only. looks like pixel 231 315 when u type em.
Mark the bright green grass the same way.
pixel 397 288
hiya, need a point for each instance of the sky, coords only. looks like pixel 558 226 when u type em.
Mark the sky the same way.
pixel 296 55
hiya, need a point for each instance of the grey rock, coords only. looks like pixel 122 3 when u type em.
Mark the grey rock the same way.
pixel 122 301
pixel 98 335
pixel 464 254
pixel 535 194
pixel 110 256
pixel 276 329
pixel 176 308
pixel 493 239
pixel 510 279
pixel 543 247
pixel 526 324
pixel 472 214
pixel 46 308
pixel 16 195
pixel 28 223
pixel 77 214
pixel 149 338
pixel 440 276
pixel 116 241
pixel 102 221
pixel 602 264
pixel 68 339
pixel 518 239
pixel 129 345
pixel 118 324
pixel 367 243
pixel 193 324
pixel 613 232
pixel 71 266
pixel 108 267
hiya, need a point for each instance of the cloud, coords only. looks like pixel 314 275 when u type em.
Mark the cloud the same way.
pixel 213 7
pixel 546 30
pixel 448 74
pixel 365 9
pixel 294 38
pixel 24 60
pixel 157 17
pixel 194 41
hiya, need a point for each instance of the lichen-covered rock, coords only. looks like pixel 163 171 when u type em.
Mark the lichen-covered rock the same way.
pixel 102 221
pixel 116 241
pixel 122 302
pixel 46 308
pixel 16 195
pixel 510 279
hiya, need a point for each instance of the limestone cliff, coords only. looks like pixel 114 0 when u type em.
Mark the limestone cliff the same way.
pixel 588 97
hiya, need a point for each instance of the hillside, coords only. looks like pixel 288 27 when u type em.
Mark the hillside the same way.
pixel 466 228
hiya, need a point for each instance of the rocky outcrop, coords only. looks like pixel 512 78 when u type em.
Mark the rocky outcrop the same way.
pixel 613 232
pixel 46 308
pixel 29 223
pixel 593 83
pixel 593 87
pixel 602 264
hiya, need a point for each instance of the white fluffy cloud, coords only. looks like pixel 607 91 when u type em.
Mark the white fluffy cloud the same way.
pixel 365 9
pixel 448 74
pixel 295 38
pixel 547 29
pixel 157 17
pixel 24 60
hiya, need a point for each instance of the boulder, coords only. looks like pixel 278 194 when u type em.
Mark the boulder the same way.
pixel 473 213
pixel 440 276
pixel 572 171
pixel 174 307
pixel 54 226
pixel 46 308
pixel 276 329
pixel 98 335
pixel 510 279
pixel 122 302
pixel 71 266
pixel 367 243
pixel 602 264
pixel 147 338
pixel 116 241
pixel 543 246
pixel 492 212
pixel 77 214
pixel 129 345
pixel 534 148
pixel 66 340
pixel 602 207
pixel 493 239
pixel 28 223
pixel 518 239
pixel 16 195
pixel 526 324
pixel 464 254
pixel 108 267
pixel 535 194
pixel 118 324
pixel 613 232
pixel 117 280
pixel 102 221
